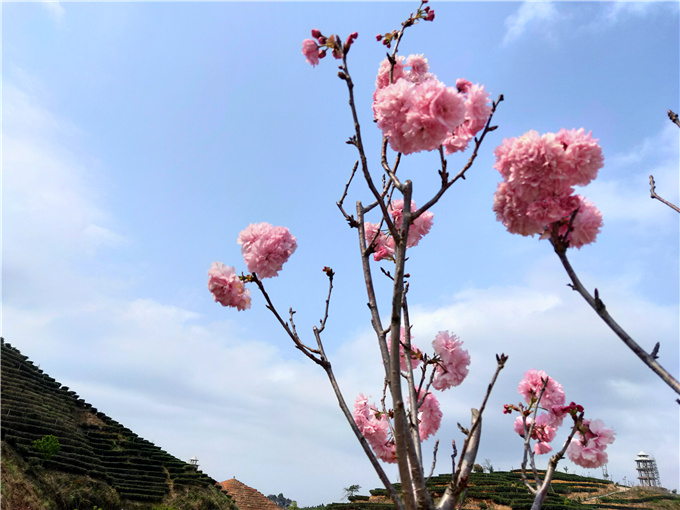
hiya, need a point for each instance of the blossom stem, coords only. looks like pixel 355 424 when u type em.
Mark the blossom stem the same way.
pixel 528 431
pixel 597 305
pixel 542 493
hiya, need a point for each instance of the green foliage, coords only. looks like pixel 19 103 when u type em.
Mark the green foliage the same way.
pixel 477 468
pixel 47 445
pixel 349 492
pixel 281 500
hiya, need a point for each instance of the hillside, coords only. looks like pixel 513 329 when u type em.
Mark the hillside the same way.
pixel 99 461
pixel 506 491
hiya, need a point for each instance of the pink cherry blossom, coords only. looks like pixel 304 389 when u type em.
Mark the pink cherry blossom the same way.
pixel 477 111
pixel 583 153
pixel 537 194
pixel 542 431
pixel 586 225
pixel 542 447
pixel 226 287
pixel 429 416
pixel 463 85
pixel 416 112
pixel 383 78
pixel 518 425
pixel 588 444
pixel 311 51
pixel 266 248
pixel 384 244
pixel 530 386
pixel 374 426
pixel 416 354
pixel 477 108
pixel 418 229
pixel 419 68
pixel 453 361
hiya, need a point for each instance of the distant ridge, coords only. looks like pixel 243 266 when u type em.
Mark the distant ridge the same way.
pixel 100 461
pixel 248 498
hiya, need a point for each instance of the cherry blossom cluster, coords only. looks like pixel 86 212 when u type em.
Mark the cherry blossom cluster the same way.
pixel 587 447
pixel 417 112
pixel 227 287
pixel 383 242
pixel 546 395
pixel 265 249
pixel 450 365
pixel 375 427
pixel 537 195
pixel 315 49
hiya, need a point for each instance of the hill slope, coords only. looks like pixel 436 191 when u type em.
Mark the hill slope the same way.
pixel 100 462
pixel 506 491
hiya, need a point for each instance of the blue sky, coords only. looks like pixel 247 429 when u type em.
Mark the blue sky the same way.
pixel 139 139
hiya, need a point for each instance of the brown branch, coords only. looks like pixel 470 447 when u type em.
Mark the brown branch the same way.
pixel 358 143
pixel 652 193
pixel 350 219
pixel 674 117
pixel 307 351
pixel 434 460
pixel 350 419
pixel 597 305
pixel 459 482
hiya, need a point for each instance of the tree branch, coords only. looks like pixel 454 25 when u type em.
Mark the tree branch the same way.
pixel 597 305
pixel 652 192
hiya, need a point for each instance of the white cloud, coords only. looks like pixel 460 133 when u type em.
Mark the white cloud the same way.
pixel 616 12
pixel 529 17
pixel 55 8
pixel 621 192
pixel 210 389
pixel 53 220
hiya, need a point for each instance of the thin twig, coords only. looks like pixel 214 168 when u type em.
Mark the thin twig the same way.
pixel 307 351
pixel 350 219
pixel 434 460
pixel 652 192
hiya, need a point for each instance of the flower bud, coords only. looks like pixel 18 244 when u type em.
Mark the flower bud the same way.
pixel 316 33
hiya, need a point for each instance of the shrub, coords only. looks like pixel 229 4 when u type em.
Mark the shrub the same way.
pixel 48 446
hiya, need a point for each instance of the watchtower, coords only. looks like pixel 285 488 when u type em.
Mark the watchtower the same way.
pixel 648 473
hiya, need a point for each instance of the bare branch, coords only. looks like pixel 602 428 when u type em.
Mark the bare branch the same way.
pixel 350 219
pixel 652 193
pixel 459 482
pixel 674 117
pixel 597 305
pixel 307 351
pixel 434 460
